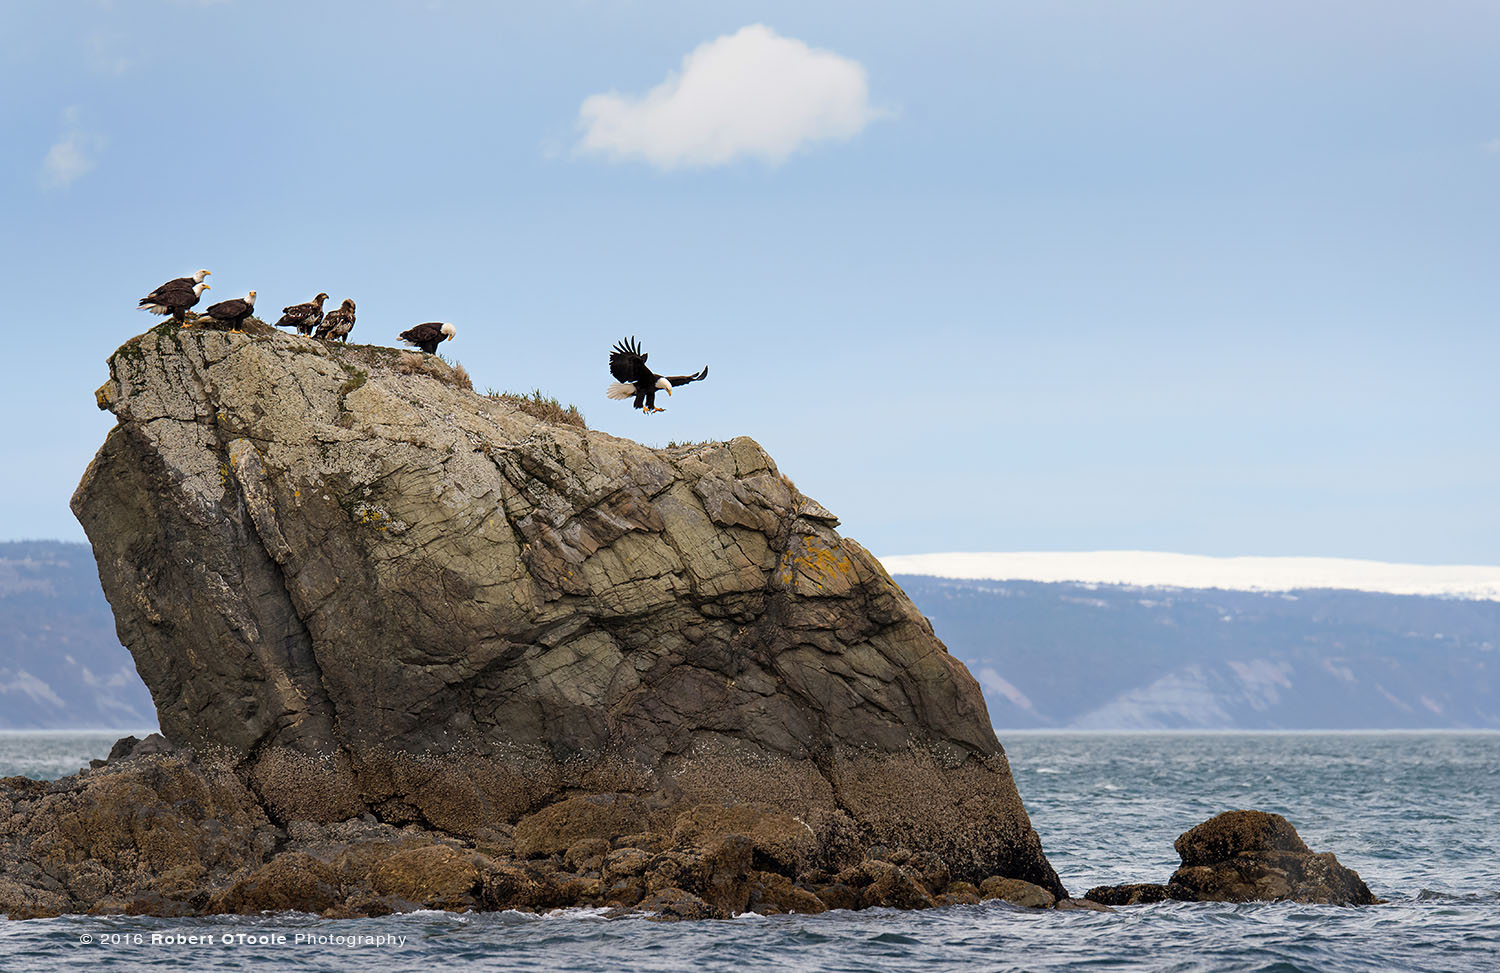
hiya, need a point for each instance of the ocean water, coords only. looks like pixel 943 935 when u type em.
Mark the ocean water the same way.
pixel 1414 813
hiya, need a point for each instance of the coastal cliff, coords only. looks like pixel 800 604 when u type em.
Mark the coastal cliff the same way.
pixel 377 610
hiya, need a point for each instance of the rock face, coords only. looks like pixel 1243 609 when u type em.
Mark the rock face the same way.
pixel 365 592
pixel 1245 856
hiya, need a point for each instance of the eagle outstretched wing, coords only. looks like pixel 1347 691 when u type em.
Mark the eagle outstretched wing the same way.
pixel 627 363
pixel 680 380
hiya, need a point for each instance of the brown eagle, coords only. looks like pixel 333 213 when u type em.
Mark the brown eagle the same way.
pixel 303 317
pixel 338 323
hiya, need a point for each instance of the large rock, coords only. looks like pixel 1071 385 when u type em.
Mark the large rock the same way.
pixel 373 593
pixel 1246 856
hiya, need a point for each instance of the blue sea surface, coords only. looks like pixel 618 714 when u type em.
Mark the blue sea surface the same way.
pixel 1414 813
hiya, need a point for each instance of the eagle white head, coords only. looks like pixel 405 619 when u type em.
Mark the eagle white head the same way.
pixel 199 275
pixel 665 385
pixel 199 288
pixel 250 299
pixel 448 332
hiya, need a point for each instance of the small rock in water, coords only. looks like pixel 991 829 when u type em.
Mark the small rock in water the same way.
pixel 1247 856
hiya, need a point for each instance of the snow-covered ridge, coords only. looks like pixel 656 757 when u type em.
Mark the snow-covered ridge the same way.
pixel 1154 569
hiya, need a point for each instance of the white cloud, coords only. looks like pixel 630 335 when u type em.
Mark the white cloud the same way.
pixel 72 155
pixel 751 94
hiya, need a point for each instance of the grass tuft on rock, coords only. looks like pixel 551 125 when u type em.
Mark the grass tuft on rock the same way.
pixel 415 363
pixel 541 406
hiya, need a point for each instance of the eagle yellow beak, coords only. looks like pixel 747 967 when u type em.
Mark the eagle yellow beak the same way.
pixel 668 391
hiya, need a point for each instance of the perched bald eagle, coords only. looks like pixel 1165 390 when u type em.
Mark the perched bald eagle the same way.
pixel 303 317
pixel 338 323
pixel 628 364
pixel 428 336
pixel 232 312
pixel 174 300
pixel 175 296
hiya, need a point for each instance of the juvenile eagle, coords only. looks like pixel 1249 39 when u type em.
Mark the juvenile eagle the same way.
pixel 628 364
pixel 338 323
pixel 303 317
pixel 232 312
pixel 428 336
pixel 176 296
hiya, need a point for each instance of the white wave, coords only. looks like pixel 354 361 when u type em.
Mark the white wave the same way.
pixel 1154 569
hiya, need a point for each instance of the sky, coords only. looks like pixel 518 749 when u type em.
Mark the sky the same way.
pixel 1209 277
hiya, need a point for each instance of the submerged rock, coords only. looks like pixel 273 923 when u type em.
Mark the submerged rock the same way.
pixel 374 608
pixel 1247 856
pixel 1017 892
pixel 1142 893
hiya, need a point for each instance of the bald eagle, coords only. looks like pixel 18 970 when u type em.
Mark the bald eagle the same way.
pixel 628 364
pixel 232 312
pixel 303 317
pixel 176 296
pixel 173 300
pixel 338 323
pixel 428 336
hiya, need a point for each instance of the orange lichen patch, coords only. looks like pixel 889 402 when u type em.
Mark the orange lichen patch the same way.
pixel 369 515
pixel 811 567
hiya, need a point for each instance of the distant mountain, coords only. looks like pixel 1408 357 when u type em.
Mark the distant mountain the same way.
pixel 1061 654
pixel 1158 569
pixel 1047 653
pixel 61 664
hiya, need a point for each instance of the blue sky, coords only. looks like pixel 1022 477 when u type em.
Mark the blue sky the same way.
pixel 1207 277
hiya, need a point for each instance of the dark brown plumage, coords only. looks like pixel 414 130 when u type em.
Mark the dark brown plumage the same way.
pixel 175 296
pixel 304 317
pixel 232 312
pixel 338 322
pixel 628 364
pixel 428 336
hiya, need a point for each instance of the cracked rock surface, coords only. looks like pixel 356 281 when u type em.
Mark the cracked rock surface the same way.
pixel 372 594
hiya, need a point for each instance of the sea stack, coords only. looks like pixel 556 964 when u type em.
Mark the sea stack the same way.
pixel 378 600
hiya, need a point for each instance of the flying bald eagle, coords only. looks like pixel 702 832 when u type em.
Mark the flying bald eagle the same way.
pixel 303 317
pixel 338 323
pixel 232 312
pixel 175 296
pixel 628 364
pixel 428 336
